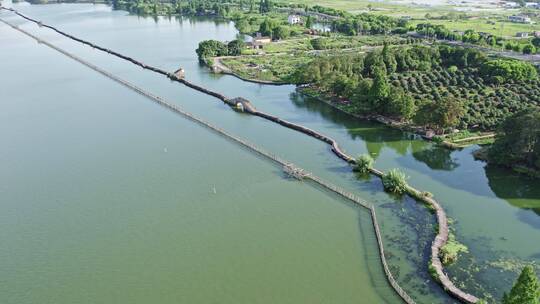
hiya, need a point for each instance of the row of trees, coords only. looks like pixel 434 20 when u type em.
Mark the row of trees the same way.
pixel 364 82
pixel 213 48
pixel 189 8
pixel 383 82
pixel 440 31
pixel 368 24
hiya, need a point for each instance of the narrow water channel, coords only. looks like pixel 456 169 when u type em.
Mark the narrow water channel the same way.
pixel 105 196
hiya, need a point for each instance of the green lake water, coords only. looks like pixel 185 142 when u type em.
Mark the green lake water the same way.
pixel 107 197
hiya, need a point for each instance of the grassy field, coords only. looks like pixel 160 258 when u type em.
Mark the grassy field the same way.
pixel 406 8
pixel 280 59
pixel 358 6
pixel 494 25
pixel 336 42
pixel 418 13
pixel 297 44
pixel 274 68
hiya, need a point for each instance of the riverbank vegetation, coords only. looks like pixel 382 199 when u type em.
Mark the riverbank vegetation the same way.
pixel 213 48
pixel 517 144
pixel 395 181
pixel 364 163
pixel 440 87
pixel 451 250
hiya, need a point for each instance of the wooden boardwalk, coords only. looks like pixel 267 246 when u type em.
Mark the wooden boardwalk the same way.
pixel 440 239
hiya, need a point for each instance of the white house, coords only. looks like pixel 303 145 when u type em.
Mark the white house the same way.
pixel 522 34
pixel 532 5
pixel 510 4
pixel 519 19
pixel 294 19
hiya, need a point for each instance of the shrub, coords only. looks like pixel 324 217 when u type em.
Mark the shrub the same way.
pixel 509 69
pixel 211 48
pixel 529 49
pixel 395 181
pixel 433 272
pixel 319 43
pixel 451 250
pixel 364 163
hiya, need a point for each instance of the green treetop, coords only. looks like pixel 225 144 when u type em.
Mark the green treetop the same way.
pixel 526 290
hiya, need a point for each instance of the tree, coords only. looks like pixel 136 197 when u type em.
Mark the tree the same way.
pixel 471 36
pixel 509 69
pixel 518 140
pixel 440 115
pixel 449 112
pixel 309 22
pixel 425 115
pixel 281 32
pixel 380 90
pixel 242 25
pixel 235 47
pixel 265 6
pixel 400 104
pixel 267 26
pixel 526 290
pixel 536 42
pixel 529 49
pixel 389 59
pixel 374 62
pixel 344 86
pixel 211 48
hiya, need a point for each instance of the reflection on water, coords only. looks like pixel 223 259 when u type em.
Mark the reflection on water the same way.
pixel 516 189
pixel 436 158
pixel 375 135
pixel 474 197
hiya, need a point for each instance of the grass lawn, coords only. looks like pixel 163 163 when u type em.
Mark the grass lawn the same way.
pixel 381 7
pixel 417 12
pixel 280 59
pixel 275 68
pixel 495 25
pixel 358 6
pixel 337 42
pixel 296 44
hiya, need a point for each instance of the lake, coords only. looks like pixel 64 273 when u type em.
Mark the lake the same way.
pixel 107 197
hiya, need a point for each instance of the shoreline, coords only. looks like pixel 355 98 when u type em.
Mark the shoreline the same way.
pixel 388 122
pixel 218 67
pixel 481 154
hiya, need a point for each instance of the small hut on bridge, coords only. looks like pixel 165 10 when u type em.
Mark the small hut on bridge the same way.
pixel 242 105
pixel 180 73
